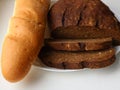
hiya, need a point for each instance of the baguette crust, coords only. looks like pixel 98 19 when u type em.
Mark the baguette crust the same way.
pixel 32 10
pixel 24 38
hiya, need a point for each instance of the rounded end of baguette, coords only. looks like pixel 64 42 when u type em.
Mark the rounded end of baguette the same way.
pixel 13 76
pixel 15 61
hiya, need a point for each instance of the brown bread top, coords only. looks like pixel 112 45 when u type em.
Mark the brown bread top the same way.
pixel 78 32
pixel 73 60
pixel 82 13
pixel 79 44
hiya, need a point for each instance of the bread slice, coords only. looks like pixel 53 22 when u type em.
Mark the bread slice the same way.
pixel 79 44
pixel 86 32
pixel 77 60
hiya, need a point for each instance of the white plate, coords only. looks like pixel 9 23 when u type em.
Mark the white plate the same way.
pixel 7 13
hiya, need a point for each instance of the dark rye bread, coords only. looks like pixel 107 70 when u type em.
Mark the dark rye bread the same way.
pixel 82 13
pixel 86 32
pixel 79 44
pixel 77 60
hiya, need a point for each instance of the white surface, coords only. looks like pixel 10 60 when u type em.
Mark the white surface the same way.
pixel 37 79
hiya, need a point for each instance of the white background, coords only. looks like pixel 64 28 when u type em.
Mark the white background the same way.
pixel 37 79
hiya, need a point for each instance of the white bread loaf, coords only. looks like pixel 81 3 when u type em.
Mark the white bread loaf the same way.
pixel 24 38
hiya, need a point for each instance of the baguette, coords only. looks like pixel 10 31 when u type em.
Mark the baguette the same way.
pixel 24 38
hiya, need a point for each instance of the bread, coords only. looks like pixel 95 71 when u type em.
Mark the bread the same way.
pixel 83 32
pixel 86 32
pixel 24 38
pixel 77 60
pixel 79 44
pixel 32 10
pixel 82 13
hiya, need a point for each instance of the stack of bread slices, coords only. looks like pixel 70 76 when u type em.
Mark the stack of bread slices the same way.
pixel 85 52
pixel 84 33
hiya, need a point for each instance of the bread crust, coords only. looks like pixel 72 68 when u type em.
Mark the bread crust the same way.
pixel 82 13
pixel 32 10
